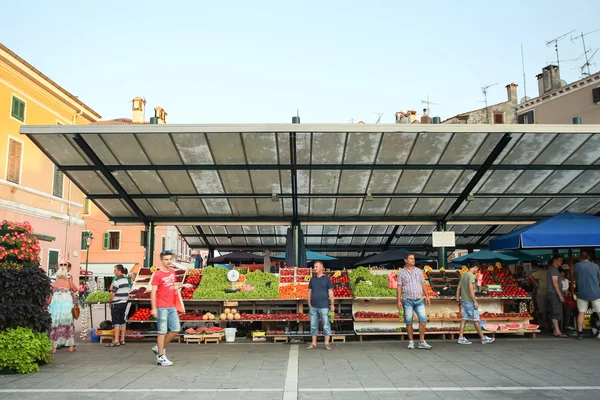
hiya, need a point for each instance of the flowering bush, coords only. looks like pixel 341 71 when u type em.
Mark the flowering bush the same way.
pixel 17 244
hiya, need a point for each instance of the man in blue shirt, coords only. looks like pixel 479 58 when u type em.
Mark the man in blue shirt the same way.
pixel 320 301
pixel 587 275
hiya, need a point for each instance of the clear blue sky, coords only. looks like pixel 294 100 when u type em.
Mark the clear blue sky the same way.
pixel 257 61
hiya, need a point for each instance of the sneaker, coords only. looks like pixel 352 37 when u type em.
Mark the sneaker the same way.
pixel 411 345
pixel 579 335
pixel 163 361
pixel 463 340
pixel 155 350
pixel 487 340
pixel 423 345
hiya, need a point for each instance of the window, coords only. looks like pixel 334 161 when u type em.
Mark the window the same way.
pixel 498 118
pixel 57 182
pixel 87 206
pixel 84 236
pixel 596 95
pixel 18 109
pixel 112 240
pixel 527 118
pixel 15 152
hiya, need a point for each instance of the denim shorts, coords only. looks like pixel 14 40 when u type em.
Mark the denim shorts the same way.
pixel 412 306
pixel 317 314
pixel 168 320
pixel 469 312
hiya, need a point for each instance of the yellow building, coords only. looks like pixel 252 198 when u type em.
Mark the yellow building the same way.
pixel 31 188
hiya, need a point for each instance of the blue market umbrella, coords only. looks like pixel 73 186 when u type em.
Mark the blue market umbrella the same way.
pixel 485 255
pixel 311 256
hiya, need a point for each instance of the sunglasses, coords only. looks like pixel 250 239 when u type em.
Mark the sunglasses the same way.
pixel 63 265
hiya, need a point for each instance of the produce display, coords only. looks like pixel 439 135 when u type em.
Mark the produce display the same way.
pixel 98 297
pixel 497 275
pixel 364 284
pixel 142 314
pixel 510 291
pixel 259 285
pixel 230 314
pixel 204 330
pixel 375 315
pixel 140 293
pixel 504 315
pixel 293 291
pixel 275 317
pixel 341 285
pixel 191 316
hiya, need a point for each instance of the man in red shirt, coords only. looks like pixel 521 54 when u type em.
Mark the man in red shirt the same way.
pixel 163 307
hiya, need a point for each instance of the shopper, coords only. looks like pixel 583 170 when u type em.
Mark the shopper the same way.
pixel 587 278
pixel 538 279
pixel 465 296
pixel 64 264
pixel 555 295
pixel 320 301
pixel 119 294
pixel 62 330
pixel 163 307
pixel 410 292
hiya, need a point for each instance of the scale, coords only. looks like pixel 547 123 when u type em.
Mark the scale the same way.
pixel 233 276
pixel 494 288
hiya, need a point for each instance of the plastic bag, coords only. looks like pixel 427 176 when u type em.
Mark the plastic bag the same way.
pixel 179 303
pixel 392 281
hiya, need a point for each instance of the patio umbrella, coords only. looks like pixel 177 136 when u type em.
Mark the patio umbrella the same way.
pixel 237 257
pixel 486 255
pixel 311 256
pixel 392 255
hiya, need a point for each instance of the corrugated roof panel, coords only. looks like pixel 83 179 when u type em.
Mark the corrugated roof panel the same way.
pixel 348 207
pixel 588 154
pixel 62 150
pixel 400 207
pixel 126 182
pixel 362 148
pixel 148 182
pixel 328 148
pixel 177 181
pixel 193 148
pixel 429 148
pixel 395 147
pixel 226 148
pixel 91 182
pixel 528 148
pixel 126 149
pixel 160 149
pixel 322 207
pixel 461 148
pixel 354 181
pixel 191 207
pixel 260 148
pixel 375 207
pixel 165 208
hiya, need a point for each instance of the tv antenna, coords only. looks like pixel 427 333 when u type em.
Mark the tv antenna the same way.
pixel 555 42
pixel 379 115
pixel 587 64
pixel 585 51
pixel 429 103
pixel 485 90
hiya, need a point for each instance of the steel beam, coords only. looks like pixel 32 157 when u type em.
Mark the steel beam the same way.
pixel 489 161
pixel 202 235
pixel 294 178
pixel 85 147
pixel 329 167
pixel 324 235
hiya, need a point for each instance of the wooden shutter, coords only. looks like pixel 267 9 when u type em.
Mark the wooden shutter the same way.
pixel 57 183
pixel 15 150
pixel 106 241
pixel 84 236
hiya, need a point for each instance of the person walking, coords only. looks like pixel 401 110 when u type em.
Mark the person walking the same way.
pixel 162 299
pixel 409 295
pixel 555 295
pixel 587 278
pixel 320 302
pixel 119 294
pixel 465 297
pixel 62 330
pixel 538 279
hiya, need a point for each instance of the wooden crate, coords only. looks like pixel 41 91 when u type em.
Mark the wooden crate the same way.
pixel 193 339
pixel 281 338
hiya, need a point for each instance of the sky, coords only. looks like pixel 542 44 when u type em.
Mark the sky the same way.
pixel 259 61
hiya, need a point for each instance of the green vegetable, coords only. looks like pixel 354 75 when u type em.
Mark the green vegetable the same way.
pixel 214 282
pixel 22 350
pixel 377 288
pixel 331 316
pixel 98 297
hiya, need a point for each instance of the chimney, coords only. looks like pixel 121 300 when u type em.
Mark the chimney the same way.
pixel 137 106
pixel 549 79
pixel 160 115
pixel 412 116
pixel 511 92
pixel 400 117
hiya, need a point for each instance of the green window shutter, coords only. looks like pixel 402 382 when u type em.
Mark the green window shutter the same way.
pixel 84 236
pixel 163 244
pixel 18 109
pixel 106 241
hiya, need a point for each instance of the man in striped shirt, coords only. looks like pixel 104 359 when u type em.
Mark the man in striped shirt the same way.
pixel 119 295
pixel 411 287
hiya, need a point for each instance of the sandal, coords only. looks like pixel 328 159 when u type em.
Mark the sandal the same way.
pixel 311 347
pixel 123 343
pixel 328 347
pixel 113 344
pixel 561 336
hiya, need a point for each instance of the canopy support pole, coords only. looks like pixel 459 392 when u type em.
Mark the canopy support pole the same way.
pixel 149 248
pixel 442 254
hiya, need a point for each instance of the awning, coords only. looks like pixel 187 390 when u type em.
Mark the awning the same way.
pixel 105 269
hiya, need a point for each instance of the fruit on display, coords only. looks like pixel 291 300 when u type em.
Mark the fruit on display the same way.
pixel 193 280
pixel 486 314
pixel 187 293
pixel 293 291
pixel 191 316
pixel 194 272
pixel 364 284
pixel 261 285
pixel 140 293
pixel 286 272
pixel 497 274
pixel 530 326
pixel 340 279
pixel 142 314
pixel 286 279
pixel 513 326
pixel 342 292
pixel 503 328
pixel 208 317
pixel 144 272
pixel 510 291
pixel 374 315
pixel 98 297
pixel 491 327
pixel 275 317
pixel 430 291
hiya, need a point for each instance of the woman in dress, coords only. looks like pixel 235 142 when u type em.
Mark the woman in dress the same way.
pixel 62 331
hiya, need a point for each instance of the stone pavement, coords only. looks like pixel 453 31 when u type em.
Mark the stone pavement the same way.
pixel 375 370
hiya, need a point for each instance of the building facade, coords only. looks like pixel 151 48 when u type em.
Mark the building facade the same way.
pixel 559 102
pixel 31 188
pixel 501 113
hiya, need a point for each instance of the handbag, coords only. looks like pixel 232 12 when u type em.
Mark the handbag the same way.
pixel 76 311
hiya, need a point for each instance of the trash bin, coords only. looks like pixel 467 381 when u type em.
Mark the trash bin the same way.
pixel 94 338
pixel 230 334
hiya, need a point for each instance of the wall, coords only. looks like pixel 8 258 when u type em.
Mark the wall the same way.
pixel 32 199
pixel 480 116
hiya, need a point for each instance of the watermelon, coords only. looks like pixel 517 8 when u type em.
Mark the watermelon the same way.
pixel 530 326
pixel 217 329
pixel 513 326
pixel 200 330
pixel 503 328
pixel 491 327
pixel 190 331
pixel 209 330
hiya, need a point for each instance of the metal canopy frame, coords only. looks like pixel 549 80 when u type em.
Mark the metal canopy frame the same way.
pixel 374 186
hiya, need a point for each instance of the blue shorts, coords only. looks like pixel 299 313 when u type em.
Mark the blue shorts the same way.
pixel 469 312
pixel 412 306
pixel 168 320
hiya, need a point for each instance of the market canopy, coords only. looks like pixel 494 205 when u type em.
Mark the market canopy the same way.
pixel 564 230
pixel 354 189
pixel 310 256
pixel 392 255
pixel 236 257
pixel 485 256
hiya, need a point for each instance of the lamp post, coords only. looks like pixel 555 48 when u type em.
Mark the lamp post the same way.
pixel 88 241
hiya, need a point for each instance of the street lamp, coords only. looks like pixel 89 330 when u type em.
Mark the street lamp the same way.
pixel 88 241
